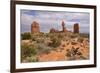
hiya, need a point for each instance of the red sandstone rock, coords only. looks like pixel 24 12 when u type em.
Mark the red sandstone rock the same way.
pixel 76 28
pixel 35 27
pixel 63 27
pixel 52 30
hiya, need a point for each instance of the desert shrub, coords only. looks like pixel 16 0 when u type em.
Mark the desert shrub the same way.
pixel 55 42
pixel 33 38
pixel 74 35
pixel 82 57
pixel 40 40
pixel 47 34
pixel 73 53
pixel 60 36
pixel 47 51
pixel 25 36
pixel 27 51
pixel 51 35
pixel 42 48
pixel 32 59
pixel 84 35
pixel 68 54
pixel 80 39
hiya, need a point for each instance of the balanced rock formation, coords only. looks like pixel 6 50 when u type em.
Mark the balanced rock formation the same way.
pixel 76 28
pixel 35 27
pixel 63 27
pixel 52 30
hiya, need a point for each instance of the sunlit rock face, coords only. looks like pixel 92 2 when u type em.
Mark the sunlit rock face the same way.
pixel 35 27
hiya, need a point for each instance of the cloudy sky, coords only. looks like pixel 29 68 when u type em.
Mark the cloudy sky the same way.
pixel 53 19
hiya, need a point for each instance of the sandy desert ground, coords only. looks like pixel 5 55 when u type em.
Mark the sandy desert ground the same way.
pixel 70 47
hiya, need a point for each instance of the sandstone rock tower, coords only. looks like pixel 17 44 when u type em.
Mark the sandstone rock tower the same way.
pixel 76 28
pixel 35 27
pixel 63 27
pixel 53 30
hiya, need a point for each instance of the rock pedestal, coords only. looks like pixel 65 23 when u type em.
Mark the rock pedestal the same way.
pixel 76 28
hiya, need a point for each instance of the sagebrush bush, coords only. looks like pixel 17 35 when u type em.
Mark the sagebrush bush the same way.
pixel 55 42
pixel 41 47
pixel 26 36
pixel 32 59
pixel 27 51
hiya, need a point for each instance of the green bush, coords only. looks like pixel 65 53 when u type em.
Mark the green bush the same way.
pixel 32 59
pixel 55 42
pixel 34 38
pixel 43 48
pixel 27 51
pixel 40 40
pixel 26 36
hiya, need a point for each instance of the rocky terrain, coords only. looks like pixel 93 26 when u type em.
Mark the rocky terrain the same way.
pixel 61 46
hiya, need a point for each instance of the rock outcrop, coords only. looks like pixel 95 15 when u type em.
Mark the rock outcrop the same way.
pixel 63 27
pixel 52 30
pixel 76 28
pixel 35 27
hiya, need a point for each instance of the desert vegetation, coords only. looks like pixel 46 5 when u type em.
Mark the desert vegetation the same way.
pixel 40 47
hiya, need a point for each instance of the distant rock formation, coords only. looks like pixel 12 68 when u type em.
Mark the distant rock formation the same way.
pixel 63 27
pixel 76 28
pixel 35 27
pixel 52 30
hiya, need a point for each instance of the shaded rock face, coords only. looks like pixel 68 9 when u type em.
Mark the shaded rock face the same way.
pixel 35 27
pixel 76 28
